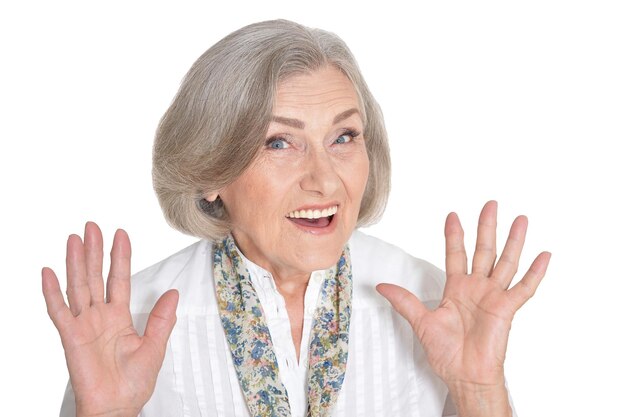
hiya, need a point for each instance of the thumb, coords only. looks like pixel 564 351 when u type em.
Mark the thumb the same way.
pixel 162 319
pixel 404 302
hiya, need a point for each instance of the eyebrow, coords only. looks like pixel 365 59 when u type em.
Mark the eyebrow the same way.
pixel 344 115
pixel 295 123
pixel 299 124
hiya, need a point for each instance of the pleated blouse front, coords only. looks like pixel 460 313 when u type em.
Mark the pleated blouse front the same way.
pixel 387 373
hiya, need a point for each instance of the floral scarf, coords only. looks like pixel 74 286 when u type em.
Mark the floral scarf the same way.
pixel 250 343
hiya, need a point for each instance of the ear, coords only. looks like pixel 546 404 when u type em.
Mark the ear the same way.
pixel 211 197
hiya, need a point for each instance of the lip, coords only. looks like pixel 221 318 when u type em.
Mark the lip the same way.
pixel 318 231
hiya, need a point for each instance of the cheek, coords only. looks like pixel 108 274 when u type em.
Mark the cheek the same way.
pixel 359 175
pixel 355 173
pixel 239 199
pixel 258 195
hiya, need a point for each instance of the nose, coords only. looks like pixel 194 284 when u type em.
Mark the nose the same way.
pixel 319 173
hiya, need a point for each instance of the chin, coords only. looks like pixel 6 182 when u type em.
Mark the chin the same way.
pixel 321 257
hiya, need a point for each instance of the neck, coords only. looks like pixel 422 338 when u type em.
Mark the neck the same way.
pixel 292 286
pixel 291 281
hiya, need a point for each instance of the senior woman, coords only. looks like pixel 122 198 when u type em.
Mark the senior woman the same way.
pixel 274 152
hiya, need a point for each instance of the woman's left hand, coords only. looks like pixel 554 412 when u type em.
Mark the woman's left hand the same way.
pixel 465 338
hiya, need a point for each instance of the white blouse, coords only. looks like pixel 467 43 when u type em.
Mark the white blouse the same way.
pixel 386 375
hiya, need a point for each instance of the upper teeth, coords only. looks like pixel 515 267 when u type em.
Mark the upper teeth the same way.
pixel 312 214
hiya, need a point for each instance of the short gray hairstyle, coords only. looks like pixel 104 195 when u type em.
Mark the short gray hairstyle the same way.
pixel 218 120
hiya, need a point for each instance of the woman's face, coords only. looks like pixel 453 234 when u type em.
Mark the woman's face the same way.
pixel 296 206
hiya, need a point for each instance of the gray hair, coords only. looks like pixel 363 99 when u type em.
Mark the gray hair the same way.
pixel 217 121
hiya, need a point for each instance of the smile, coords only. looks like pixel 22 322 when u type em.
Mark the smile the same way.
pixel 312 214
pixel 313 219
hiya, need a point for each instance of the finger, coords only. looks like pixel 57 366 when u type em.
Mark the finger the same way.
pixel 77 289
pixel 93 258
pixel 485 253
pixel 456 258
pixel 58 311
pixel 162 319
pixel 118 282
pixel 525 289
pixel 507 265
pixel 404 302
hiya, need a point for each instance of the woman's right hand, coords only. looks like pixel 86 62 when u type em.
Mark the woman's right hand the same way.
pixel 112 369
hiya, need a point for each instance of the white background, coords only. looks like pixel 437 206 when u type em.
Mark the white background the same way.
pixel 520 102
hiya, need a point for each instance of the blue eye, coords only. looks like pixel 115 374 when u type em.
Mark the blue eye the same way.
pixel 346 138
pixel 276 143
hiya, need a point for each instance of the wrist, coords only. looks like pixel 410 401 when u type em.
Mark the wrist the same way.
pixel 476 400
pixel 121 412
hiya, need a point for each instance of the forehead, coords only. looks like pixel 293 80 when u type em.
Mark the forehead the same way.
pixel 326 87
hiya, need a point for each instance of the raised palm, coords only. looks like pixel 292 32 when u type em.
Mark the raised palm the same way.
pixel 112 368
pixel 465 338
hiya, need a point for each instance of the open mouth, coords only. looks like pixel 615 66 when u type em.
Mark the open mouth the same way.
pixel 313 218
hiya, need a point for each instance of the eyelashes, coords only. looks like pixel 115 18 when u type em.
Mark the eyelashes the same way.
pixel 278 142
pixel 352 134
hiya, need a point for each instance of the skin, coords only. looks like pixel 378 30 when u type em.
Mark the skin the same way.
pixel 113 370
pixel 317 165
pixel 465 338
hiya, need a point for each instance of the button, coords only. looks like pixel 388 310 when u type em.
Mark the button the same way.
pixel 266 284
pixel 317 277
pixel 311 310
